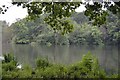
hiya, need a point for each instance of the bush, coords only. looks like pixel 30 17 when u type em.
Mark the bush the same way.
pixel 8 58
pixel 10 74
pixel 55 71
pixel 42 63
pixel 39 72
pixel 88 67
pixel 9 62
pixel 25 72
pixel 114 76
pixel 9 66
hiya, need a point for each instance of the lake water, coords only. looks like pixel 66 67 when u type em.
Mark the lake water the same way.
pixel 26 54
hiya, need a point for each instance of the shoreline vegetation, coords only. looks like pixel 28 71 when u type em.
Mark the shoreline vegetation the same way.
pixel 36 31
pixel 54 24
pixel 88 67
pixel 84 33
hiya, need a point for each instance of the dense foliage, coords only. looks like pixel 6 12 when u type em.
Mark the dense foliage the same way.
pixel 88 67
pixel 25 31
pixel 63 27
pixel 57 20
pixel 59 11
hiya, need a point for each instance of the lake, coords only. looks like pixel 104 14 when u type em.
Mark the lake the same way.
pixel 27 54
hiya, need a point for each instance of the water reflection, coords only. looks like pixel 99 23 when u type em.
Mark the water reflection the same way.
pixel 26 54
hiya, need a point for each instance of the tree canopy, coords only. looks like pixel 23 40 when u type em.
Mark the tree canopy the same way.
pixel 58 12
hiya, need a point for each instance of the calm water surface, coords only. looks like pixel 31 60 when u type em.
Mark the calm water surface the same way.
pixel 26 54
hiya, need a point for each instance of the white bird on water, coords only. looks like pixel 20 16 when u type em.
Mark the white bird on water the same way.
pixel 2 58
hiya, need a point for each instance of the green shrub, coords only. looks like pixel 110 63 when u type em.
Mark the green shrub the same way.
pixel 42 63
pixel 38 73
pixel 9 63
pixel 25 72
pixel 10 74
pixel 9 66
pixel 113 76
pixel 77 71
pixel 8 57
pixel 55 71
pixel 87 68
